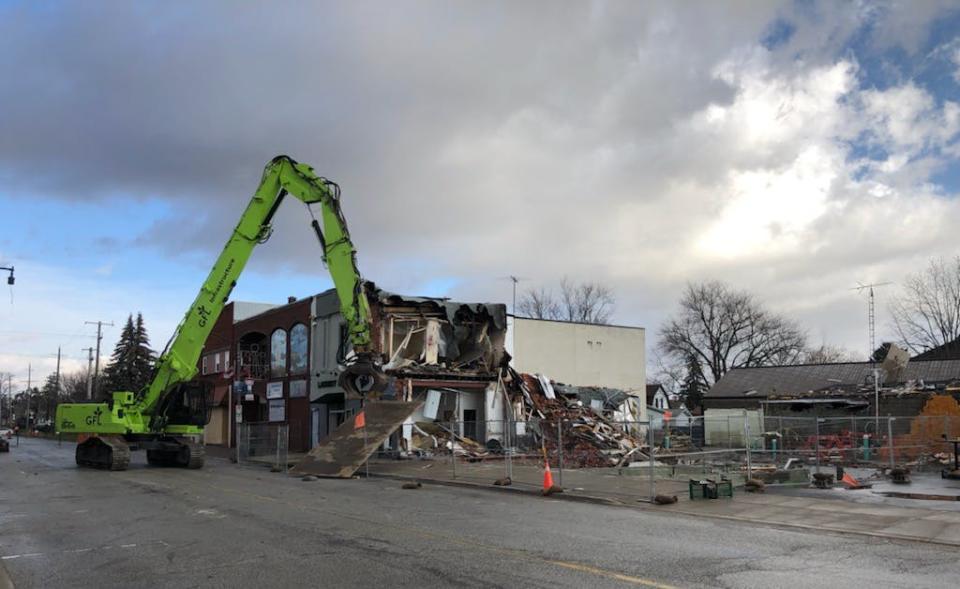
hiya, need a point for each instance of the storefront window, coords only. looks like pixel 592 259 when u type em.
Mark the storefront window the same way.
pixel 278 353
pixel 298 348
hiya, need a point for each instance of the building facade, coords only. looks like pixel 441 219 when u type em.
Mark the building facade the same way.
pixel 582 354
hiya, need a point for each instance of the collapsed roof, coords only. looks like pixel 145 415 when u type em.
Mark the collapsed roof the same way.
pixel 436 336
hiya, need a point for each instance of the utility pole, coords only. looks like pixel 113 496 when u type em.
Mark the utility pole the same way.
pixel 29 376
pixel 10 392
pixel 96 370
pixel 56 391
pixel 89 352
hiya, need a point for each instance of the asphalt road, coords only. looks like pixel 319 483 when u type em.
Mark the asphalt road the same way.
pixel 230 526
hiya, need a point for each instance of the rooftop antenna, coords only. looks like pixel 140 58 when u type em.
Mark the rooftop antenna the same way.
pixel 871 317
pixel 514 280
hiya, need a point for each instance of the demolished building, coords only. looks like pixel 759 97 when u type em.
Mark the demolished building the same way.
pixel 280 366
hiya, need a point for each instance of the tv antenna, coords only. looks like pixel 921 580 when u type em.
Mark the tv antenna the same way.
pixel 871 311
pixel 514 280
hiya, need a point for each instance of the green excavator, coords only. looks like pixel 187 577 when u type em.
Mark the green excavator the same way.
pixel 167 417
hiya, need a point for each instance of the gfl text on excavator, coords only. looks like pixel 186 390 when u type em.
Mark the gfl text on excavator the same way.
pixel 167 417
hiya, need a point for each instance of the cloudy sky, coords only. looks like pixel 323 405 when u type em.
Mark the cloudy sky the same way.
pixel 792 149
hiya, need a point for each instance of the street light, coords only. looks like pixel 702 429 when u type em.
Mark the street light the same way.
pixel 10 279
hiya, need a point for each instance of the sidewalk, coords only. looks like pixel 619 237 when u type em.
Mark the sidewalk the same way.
pixel 605 486
pixel 834 515
pixel 633 490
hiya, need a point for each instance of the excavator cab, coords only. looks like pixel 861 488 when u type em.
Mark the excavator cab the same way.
pixel 187 404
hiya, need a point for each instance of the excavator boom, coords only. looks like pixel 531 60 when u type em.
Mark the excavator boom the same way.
pixel 169 409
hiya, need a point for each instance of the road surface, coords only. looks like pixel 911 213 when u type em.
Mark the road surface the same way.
pixel 231 526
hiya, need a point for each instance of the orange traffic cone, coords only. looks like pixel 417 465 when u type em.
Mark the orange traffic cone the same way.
pixel 547 479
pixel 849 480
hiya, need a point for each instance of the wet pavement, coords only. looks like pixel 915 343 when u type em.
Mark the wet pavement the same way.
pixel 234 526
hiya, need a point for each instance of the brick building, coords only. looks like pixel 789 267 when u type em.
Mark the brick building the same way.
pixel 279 364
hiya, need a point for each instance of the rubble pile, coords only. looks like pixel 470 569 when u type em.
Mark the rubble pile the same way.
pixel 589 439
pixel 431 438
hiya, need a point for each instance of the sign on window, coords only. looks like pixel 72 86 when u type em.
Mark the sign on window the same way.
pixel 276 412
pixel 275 390
pixel 298 388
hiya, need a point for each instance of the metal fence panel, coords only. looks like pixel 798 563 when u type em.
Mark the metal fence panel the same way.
pixel 264 444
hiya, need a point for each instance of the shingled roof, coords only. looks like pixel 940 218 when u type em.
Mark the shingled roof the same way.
pixel 803 378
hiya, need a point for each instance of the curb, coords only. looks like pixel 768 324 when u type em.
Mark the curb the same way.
pixel 5 581
pixel 822 528
pixel 530 492
pixel 643 504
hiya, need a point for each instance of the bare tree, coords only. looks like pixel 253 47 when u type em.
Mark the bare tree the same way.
pixel 827 354
pixel 926 314
pixel 6 392
pixel 718 328
pixel 73 386
pixel 539 304
pixel 585 302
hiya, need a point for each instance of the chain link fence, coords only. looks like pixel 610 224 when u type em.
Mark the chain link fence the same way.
pixel 613 459
pixel 264 444
pixel 917 443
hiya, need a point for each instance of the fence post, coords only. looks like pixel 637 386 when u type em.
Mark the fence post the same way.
pixel 453 450
pixel 560 451
pixel 366 463
pixel 746 438
pixel 890 437
pixel 816 441
pixel 653 472
pixel 278 447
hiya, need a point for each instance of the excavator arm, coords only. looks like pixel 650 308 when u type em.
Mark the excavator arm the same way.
pixel 154 416
pixel 282 176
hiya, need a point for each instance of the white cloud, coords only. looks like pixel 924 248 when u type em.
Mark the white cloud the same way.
pixel 641 145
pixel 956 62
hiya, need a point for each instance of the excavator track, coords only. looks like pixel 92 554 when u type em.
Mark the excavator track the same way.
pixel 189 455
pixel 192 454
pixel 104 452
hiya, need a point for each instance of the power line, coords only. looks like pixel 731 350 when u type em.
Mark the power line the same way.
pixel 46 333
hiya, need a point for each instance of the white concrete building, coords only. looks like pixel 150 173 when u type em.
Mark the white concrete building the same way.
pixel 581 354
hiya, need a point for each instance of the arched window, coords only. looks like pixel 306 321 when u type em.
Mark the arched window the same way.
pixel 298 348
pixel 278 353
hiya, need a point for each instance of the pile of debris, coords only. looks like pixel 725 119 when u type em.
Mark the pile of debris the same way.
pixel 588 438
pixel 431 438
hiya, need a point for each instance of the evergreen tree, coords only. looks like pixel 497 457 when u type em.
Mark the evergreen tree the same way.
pixel 131 364
pixel 693 388
pixel 49 398
pixel 145 357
